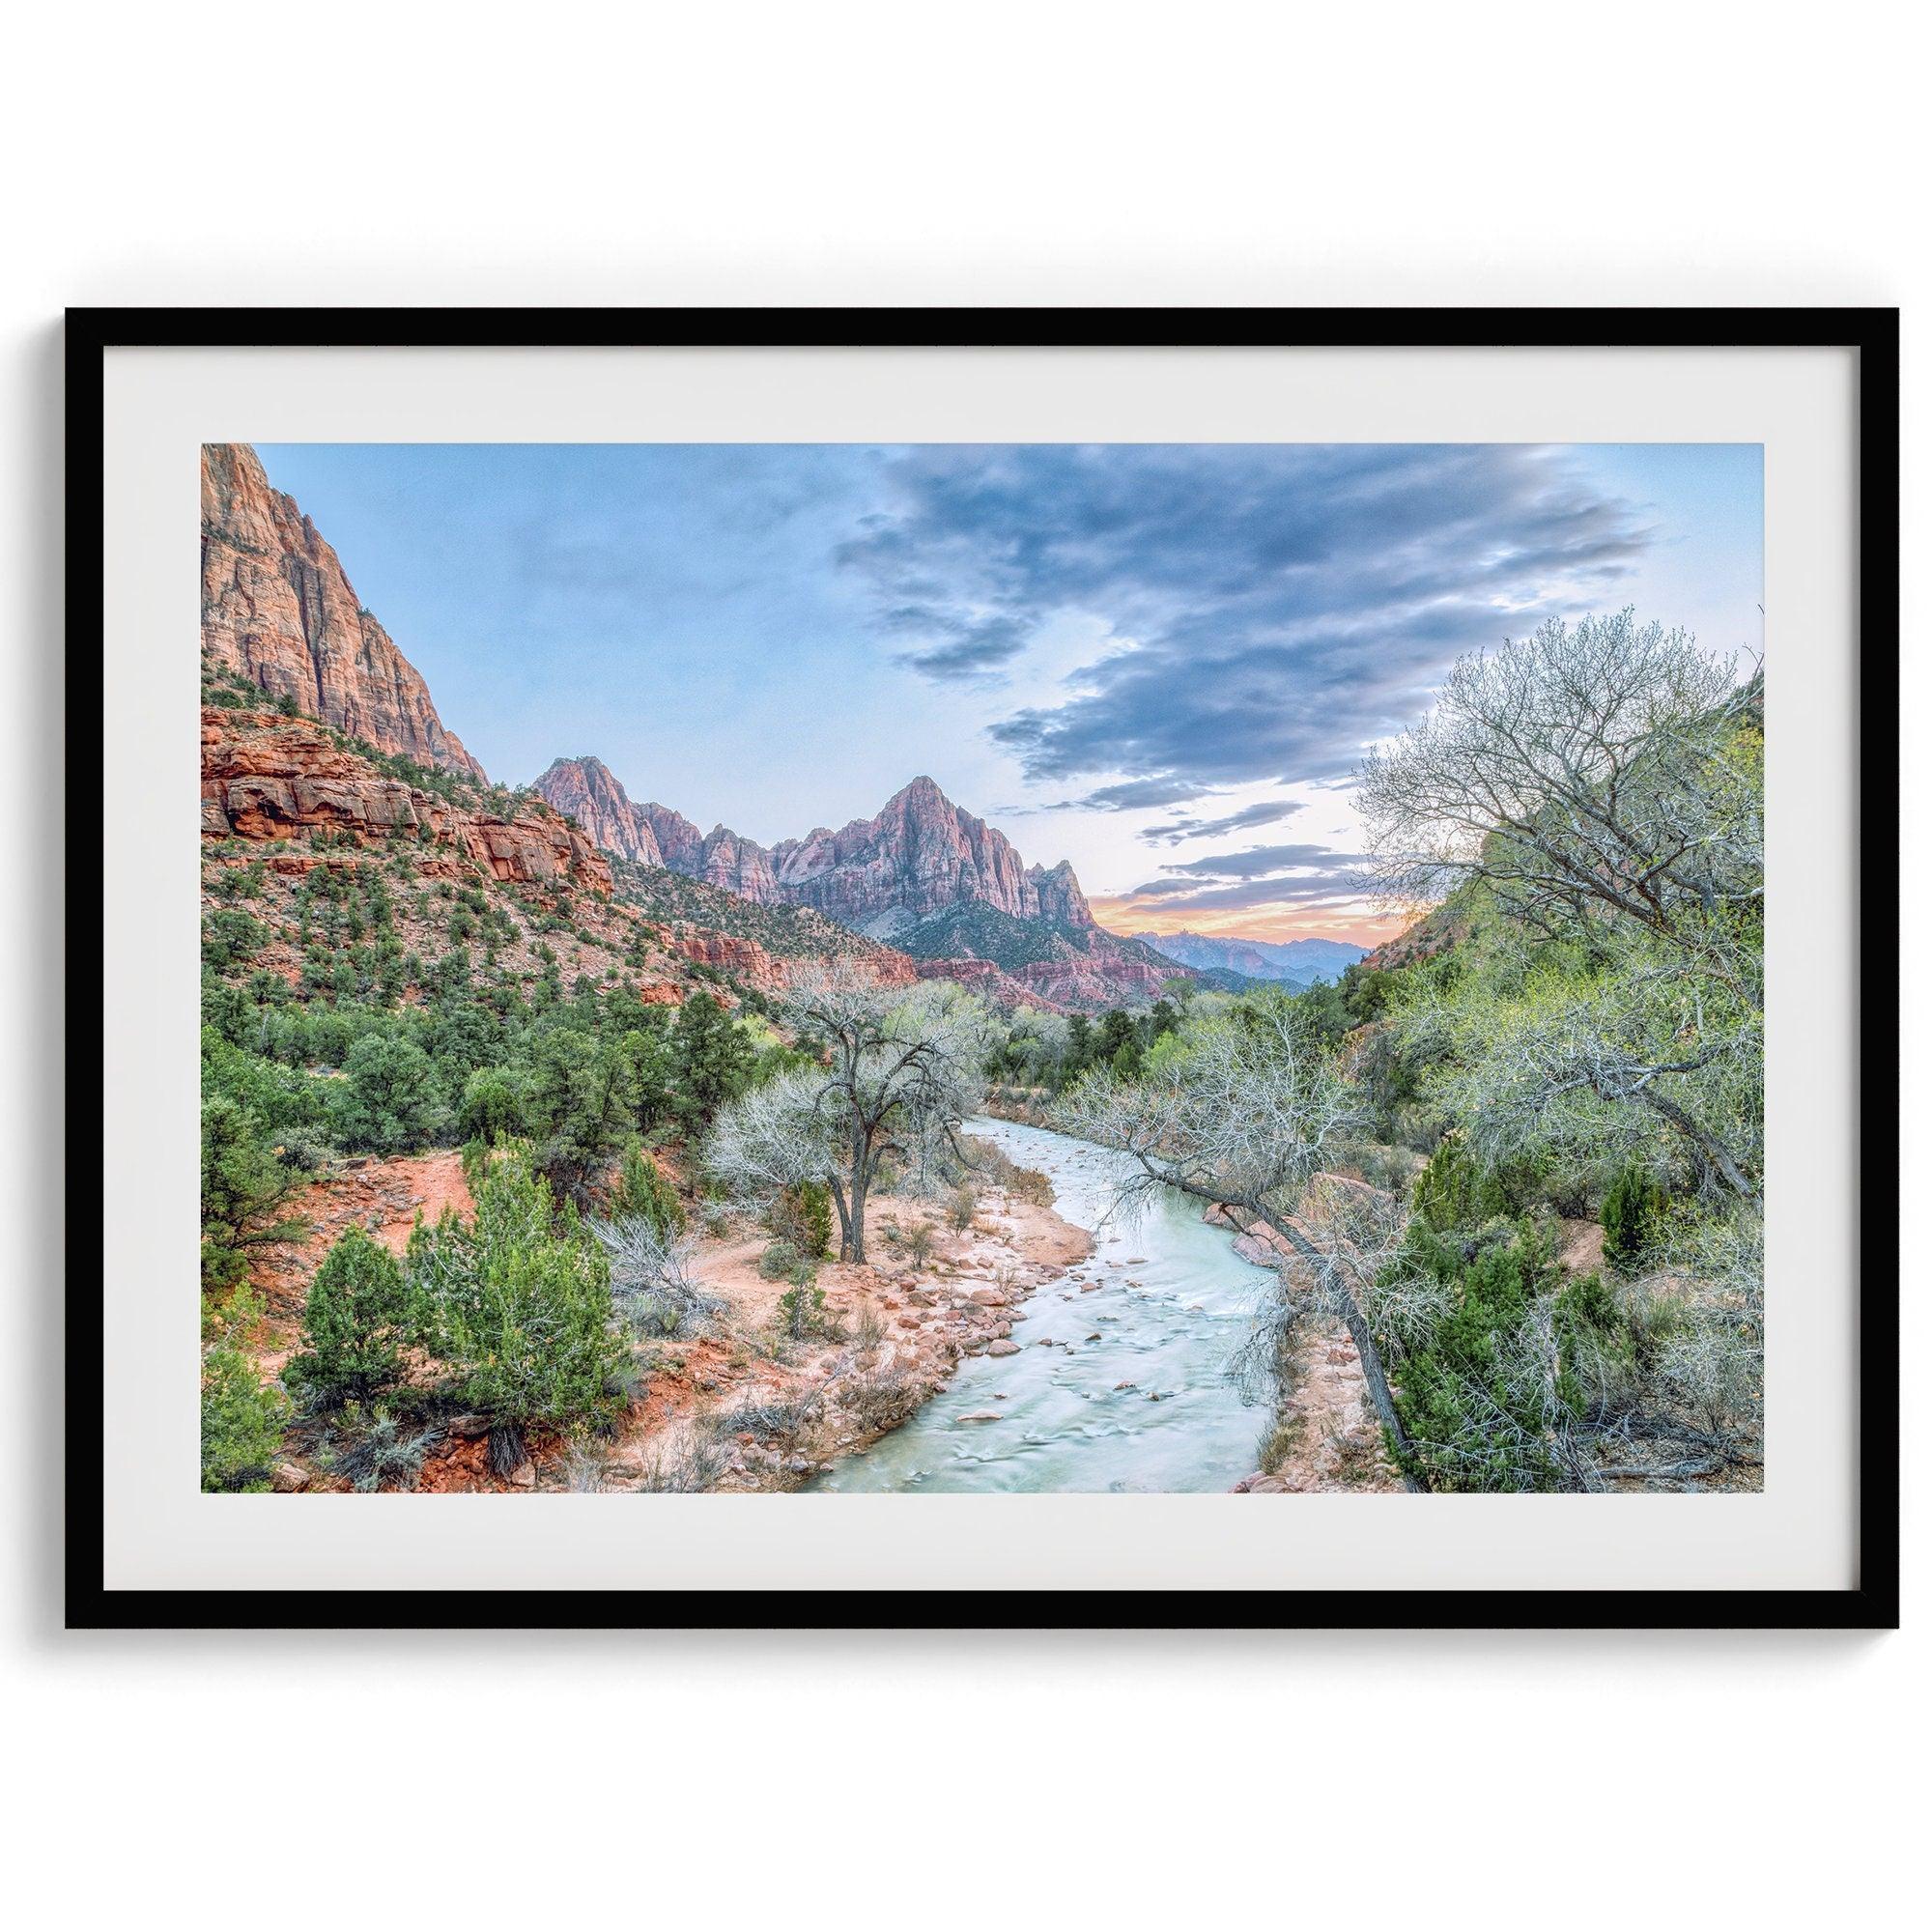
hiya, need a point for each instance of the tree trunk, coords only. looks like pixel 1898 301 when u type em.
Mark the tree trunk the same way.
pixel 861 1186
pixel 845 1219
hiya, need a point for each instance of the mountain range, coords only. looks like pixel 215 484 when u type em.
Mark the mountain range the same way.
pixel 1300 962
pixel 921 876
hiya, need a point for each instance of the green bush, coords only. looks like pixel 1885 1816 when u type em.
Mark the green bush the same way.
pixel 242 1416
pixel 777 1261
pixel 494 1104
pixel 1472 1397
pixel 644 1193
pixel 1451 1193
pixel 802 1309
pixel 244 1188
pixel 1632 1219
pixel 802 1215
pixel 352 1326
pixel 517 1306
pixel 388 1103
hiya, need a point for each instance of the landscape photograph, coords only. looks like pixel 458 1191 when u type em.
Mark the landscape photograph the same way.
pixel 930 969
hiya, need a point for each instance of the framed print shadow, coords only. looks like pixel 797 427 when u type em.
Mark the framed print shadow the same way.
pixel 823 968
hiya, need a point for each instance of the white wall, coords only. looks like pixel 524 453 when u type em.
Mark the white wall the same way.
pixel 372 154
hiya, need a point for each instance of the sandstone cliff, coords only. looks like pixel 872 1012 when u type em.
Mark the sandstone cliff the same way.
pixel 265 776
pixel 278 609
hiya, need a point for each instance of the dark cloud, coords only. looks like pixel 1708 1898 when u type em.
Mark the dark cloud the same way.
pixel 1188 896
pixel 1178 830
pixel 1283 604
pixel 946 646
pixel 1260 859
pixel 1262 875
pixel 1139 793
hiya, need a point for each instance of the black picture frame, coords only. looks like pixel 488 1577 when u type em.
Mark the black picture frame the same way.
pixel 1871 332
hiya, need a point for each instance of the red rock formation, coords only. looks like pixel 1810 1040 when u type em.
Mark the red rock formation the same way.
pixel 585 789
pixel 265 776
pixel 277 607
pixel 738 866
pixel 919 855
pixel 678 838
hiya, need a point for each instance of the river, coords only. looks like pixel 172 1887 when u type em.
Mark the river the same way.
pixel 1172 1305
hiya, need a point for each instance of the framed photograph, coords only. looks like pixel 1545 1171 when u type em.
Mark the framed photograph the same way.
pixel 823 968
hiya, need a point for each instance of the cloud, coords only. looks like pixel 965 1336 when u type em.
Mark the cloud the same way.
pixel 956 648
pixel 1269 608
pixel 1178 830
pixel 1261 859
pixel 1139 793
pixel 1263 875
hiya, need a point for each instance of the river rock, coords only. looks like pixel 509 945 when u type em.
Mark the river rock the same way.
pixel 1002 1348
pixel 984 1415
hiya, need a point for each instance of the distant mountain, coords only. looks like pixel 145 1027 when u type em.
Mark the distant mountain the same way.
pixel 277 610
pixel 1300 962
pixel 922 876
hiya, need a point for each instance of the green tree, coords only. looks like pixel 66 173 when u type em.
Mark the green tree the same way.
pixel 1632 1218
pixel 517 1304
pixel 713 1061
pixel 352 1325
pixel 495 1106
pixel 582 1106
pixel 245 1188
pixel 242 1416
pixel 643 1193
pixel 389 1100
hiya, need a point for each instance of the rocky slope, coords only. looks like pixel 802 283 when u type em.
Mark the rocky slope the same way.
pixel 277 607
pixel 265 776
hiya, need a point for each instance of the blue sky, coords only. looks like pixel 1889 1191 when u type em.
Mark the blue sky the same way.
pixel 1158 661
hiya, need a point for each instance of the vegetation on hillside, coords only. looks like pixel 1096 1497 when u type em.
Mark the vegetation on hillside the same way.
pixel 1588 1047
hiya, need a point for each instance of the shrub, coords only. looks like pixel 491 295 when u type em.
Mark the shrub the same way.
pixel 242 1416
pixel 802 1214
pixel 1451 1193
pixel 644 1193
pixel 687 1466
pixel 352 1325
pixel 1475 1394
pixel 377 1453
pixel 802 1311
pixel 961 1209
pixel 1632 1218
pixel 880 1401
pixel 652 1282
pixel 245 1188
pixel 388 1103
pixel 769 1418
pixel 517 1303
pixel 918 1244
pixel 494 1104
pixel 777 1261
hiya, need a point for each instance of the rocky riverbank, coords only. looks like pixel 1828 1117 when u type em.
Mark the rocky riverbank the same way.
pixel 746 1408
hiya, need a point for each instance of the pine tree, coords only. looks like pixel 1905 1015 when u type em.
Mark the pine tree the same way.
pixel 352 1325
pixel 517 1303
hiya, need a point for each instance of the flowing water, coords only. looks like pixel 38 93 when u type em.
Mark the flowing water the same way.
pixel 1172 1304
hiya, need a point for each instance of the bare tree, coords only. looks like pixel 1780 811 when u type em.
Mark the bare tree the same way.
pixel 1249 1116
pixel 1604 782
pixel 898 1069
pixel 1586 774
